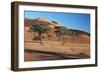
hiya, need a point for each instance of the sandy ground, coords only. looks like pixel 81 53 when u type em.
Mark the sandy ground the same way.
pixel 34 51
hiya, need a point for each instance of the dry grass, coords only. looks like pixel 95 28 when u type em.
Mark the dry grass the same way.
pixel 68 48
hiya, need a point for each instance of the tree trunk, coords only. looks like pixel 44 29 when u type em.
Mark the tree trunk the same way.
pixel 40 37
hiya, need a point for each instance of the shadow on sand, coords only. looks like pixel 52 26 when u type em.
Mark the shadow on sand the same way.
pixel 35 55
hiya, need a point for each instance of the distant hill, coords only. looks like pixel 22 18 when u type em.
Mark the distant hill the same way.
pixel 80 32
pixel 40 20
pixel 82 36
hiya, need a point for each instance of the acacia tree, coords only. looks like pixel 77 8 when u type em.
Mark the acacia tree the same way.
pixel 63 32
pixel 71 34
pixel 39 29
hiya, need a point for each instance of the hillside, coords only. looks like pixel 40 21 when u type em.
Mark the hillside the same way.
pixel 80 37
pixel 56 42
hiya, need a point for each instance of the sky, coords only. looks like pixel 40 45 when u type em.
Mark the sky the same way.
pixel 77 21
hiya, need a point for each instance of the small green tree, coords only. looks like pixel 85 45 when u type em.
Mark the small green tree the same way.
pixel 61 32
pixel 71 34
